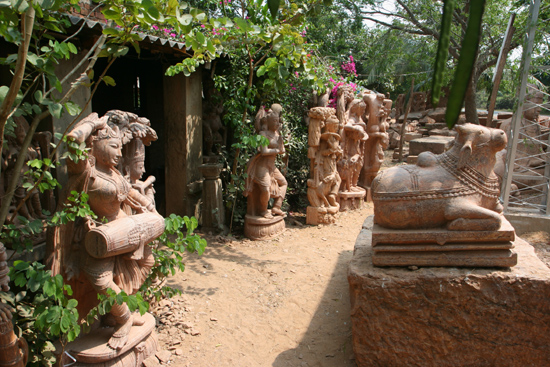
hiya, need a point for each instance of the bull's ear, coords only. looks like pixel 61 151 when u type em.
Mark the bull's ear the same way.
pixel 460 129
pixel 465 154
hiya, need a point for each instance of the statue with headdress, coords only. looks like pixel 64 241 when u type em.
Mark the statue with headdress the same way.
pixel 264 180
pixel 350 111
pixel 324 152
pixel 109 251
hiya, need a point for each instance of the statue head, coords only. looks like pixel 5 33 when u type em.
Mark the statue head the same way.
pixel 106 146
pixel 134 160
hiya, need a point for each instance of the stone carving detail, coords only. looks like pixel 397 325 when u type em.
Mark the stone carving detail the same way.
pixel 457 189
pixel 212 121
pixel 418 102
pixel 92 255
pixel 264 180
pixel 378 111
pixel 350 113
pixel 324 152
pixel 14 351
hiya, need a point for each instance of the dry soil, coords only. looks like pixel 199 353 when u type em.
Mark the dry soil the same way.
pixel 279 302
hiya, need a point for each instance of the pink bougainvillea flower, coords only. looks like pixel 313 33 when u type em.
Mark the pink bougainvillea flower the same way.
pixel 203 26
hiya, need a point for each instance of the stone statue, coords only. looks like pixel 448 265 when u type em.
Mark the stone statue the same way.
pixel 457 189
pixel 264 180
pixel 110 251
pixel 377 110
pixel 325 180
pixel 418 102
pixel 350 113
pixel 445 210
pixel 14 351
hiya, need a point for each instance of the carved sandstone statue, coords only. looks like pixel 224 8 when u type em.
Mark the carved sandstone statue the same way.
pixel 264 180
pixel 457 189
pixel 325 180
pixel 378 137
pixel 110 252
pixel 350 113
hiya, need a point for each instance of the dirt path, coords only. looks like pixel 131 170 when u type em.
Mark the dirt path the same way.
pixel 281 302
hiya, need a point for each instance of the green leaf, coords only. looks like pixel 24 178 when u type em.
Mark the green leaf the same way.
pixel 72 108
pixel 111 14
pixel 56 109
pixel 200 38
pixel 466 61
pixel 109 81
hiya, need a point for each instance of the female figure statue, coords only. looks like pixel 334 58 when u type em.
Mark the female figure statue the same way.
pixel 264 180
pixel 110 252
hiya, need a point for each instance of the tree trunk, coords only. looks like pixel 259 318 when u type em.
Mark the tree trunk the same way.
pixel 470 106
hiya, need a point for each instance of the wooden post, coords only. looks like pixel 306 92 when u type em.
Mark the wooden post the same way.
pixel 497 77
pixel 402 134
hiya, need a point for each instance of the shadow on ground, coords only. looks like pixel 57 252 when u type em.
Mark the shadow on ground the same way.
pixel 327 341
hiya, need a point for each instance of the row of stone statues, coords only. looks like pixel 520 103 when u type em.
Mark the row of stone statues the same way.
pixel 346 150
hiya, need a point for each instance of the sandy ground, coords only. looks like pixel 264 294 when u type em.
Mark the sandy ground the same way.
pixel 280 302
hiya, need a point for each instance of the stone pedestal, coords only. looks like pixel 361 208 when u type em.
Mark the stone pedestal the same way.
pixel 260 228
pixel 213 216
pixel 319 215
pixel 449 316
pixel 91 350
pixel 441 247
pixel 351 200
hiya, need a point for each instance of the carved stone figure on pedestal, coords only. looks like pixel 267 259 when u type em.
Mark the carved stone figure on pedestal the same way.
pixel 353 132
pixel 377 111
pixel 456 193
pixel 111 251
pixel 325 180
pixel 264 180
pixel 14 351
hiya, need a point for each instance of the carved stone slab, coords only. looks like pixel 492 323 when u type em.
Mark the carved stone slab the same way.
pixel 440 236
pixel 441 247
pixel 351 200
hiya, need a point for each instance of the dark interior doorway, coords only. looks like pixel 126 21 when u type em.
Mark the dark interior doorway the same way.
pixel 138 89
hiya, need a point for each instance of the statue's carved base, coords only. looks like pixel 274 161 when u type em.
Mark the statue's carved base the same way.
pixel 260 228
pixel 449 316
pixel 316 215
pixel 351 200
pixel 441 247
pixel 91 350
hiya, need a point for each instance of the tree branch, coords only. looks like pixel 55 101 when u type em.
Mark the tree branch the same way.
pixel 27 23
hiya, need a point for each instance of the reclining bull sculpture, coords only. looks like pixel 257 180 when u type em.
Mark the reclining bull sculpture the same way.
pixel 457 189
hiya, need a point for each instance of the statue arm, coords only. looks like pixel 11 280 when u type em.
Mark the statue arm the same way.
pixel 140 202
pixel 79 135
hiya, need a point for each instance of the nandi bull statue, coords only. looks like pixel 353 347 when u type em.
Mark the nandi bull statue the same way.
pixel 457 189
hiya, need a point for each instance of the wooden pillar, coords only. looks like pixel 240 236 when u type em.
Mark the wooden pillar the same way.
pixel 183 126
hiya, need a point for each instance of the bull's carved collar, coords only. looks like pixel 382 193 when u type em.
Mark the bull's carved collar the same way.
pixel 470 177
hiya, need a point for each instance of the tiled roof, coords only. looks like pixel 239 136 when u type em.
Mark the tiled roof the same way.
pixel 97 25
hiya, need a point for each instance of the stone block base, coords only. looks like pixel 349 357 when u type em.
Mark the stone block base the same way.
pixel 315 216
pixel 351 200
pixel 91 350
pixel 260 228
pixel 449 316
